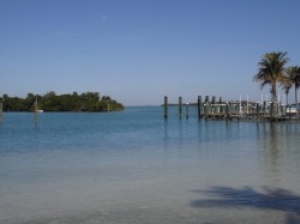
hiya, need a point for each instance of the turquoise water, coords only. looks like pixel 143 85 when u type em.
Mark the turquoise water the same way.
pixel 136 167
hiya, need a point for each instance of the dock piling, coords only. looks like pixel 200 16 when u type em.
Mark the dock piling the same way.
pixel 180 107
pixel 227 110
pixel 199 106
pixel 213 105
pixel 166 107
pixel 187 110
pixel 220 106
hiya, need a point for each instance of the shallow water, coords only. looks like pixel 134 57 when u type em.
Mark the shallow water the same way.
pixel 136 167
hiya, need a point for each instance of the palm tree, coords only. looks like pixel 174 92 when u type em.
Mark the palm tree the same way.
pixel 271 71
pixel 287 86
pixel 294 77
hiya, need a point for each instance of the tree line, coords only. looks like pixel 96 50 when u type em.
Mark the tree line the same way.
pixel 88 101
pixel 273 71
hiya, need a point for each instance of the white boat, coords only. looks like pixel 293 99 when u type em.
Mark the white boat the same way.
pixel 291 110
pixel 36 109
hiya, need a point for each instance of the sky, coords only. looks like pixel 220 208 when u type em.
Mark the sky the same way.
pixel 138 51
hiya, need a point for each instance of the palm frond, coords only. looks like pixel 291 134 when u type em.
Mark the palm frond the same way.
pixel 271 70
pixel 294 75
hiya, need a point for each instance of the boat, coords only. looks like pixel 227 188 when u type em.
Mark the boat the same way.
pixel 36 110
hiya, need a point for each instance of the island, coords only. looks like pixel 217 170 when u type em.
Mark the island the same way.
pixel 52 102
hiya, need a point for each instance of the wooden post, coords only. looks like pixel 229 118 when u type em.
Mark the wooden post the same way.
pixel 220 106
pixel 180 107
pixel 187 110
pixel 232 109
pixel 227 110
pixel 206 99
pixel 213 102
pixel 199 106
pixel 240 108
pixel 166 107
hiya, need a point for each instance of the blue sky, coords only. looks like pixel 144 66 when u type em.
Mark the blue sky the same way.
pixel 138 51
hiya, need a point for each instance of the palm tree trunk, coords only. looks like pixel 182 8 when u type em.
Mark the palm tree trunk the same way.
pixel 274 93
pixel 287 109
pixel 274 99
pixel 295 95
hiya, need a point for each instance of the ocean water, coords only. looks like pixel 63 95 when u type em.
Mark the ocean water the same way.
pixel 136 167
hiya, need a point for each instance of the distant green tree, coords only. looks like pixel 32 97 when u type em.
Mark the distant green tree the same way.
pixel 49 95
pixel 30 95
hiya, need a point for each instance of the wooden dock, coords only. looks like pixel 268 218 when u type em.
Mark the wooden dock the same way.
pixel 234 110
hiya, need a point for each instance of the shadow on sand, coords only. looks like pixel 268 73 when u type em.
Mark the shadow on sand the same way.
pixel 272 199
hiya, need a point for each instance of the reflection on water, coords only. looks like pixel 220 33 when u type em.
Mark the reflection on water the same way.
pixel 278 151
